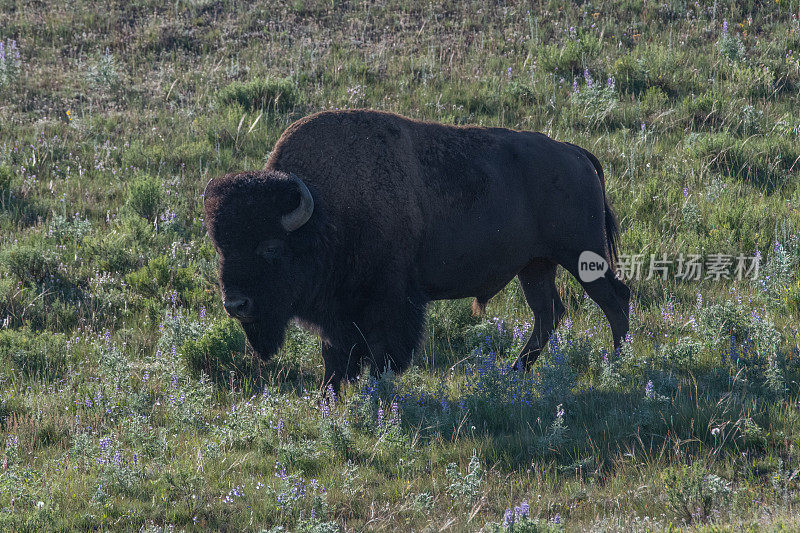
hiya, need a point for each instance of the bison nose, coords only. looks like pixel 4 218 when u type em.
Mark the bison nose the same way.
pixel 241 307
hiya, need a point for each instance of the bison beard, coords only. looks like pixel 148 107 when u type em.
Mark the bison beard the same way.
pixel 361 218
pixel 265 336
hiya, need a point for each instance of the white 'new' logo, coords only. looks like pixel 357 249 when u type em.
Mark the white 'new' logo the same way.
pixel 591 266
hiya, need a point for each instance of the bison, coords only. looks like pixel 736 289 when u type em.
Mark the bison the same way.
pixel 360 218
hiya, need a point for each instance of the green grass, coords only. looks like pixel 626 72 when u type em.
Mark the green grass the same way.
pixel 127 400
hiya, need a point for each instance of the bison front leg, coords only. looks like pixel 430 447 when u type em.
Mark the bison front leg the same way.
pixel 391 331
pixel 342 361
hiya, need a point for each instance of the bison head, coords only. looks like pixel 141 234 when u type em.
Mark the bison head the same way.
pixel 259 224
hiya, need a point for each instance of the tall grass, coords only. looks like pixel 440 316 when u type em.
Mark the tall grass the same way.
pixel 129 402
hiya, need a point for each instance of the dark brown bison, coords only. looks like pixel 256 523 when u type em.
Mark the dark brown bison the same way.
pixel 361 218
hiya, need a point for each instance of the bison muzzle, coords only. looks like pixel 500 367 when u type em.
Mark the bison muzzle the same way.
pixel 361 218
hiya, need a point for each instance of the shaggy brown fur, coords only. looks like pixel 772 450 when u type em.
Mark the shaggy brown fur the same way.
pixel 406 212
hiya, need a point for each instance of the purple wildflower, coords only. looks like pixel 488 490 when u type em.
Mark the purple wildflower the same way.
pixel 521 511
pixel 280 470
pixel 331 394
pixel 508 518
pixel 649 390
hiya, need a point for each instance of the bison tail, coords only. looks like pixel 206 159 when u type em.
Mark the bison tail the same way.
pixel 612 235
pixel 612 228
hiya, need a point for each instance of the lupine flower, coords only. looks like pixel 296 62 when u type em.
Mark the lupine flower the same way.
pixel 521 511
pixel 331 394
pixel 280 470
pixel 508 518
pixel 557 519
pixel 733 355
pixel 380 416
pixel 649 390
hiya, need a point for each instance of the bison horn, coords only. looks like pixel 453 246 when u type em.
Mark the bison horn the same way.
pixel 206 189
pixel 298 217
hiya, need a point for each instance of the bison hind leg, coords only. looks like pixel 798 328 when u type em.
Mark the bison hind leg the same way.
pixel 538 281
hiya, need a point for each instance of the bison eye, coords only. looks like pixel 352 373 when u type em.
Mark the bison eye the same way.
pixel 270 249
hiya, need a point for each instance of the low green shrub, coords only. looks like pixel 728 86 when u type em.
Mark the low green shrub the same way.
pixel 30 263
pixel 38 355
pixel 221 349
pixel 692 492
pixel 655 65
pixel 146 197
pixel 5 180
pixel 261 94
pixel 161 278
pixel 571 57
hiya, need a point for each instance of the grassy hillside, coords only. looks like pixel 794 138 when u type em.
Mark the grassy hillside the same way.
pixel 129 402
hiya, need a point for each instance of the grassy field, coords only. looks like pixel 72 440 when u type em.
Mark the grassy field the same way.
pixel 129 402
